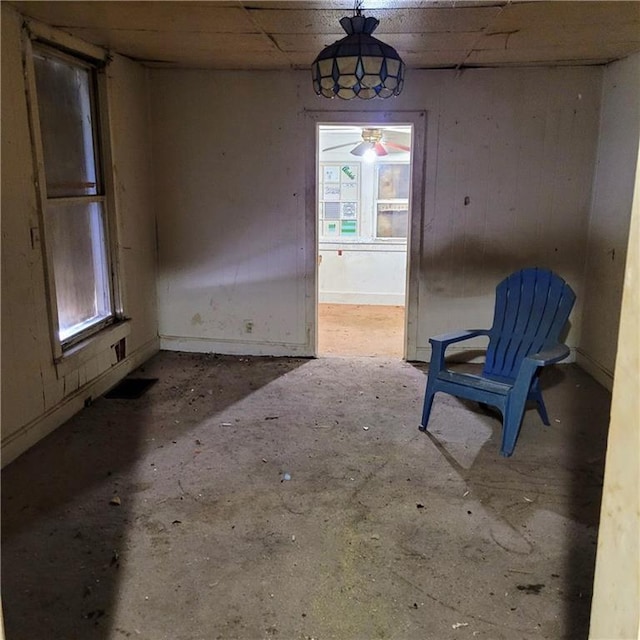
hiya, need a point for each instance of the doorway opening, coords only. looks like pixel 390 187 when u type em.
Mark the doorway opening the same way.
pixel 363 205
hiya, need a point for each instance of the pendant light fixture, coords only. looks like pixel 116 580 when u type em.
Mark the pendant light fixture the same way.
pixel 359 65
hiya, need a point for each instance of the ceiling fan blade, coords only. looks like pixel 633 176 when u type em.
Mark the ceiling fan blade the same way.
pixel 379 149
pixel 400 147
pixel 340 146
pixel 362 148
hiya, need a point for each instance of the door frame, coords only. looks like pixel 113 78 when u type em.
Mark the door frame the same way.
pixel 418 120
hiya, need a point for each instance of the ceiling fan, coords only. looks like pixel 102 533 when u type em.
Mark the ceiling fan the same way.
pixel 373 139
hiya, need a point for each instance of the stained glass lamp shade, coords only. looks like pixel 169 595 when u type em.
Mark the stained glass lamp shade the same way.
pixel 359 65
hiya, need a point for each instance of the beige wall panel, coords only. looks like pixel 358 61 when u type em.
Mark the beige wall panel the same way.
pixel 37 396
pixel 231 209
pixel 615 613
pixel 519 144
pixel 610 214
pixel 24 312
pixel 131 157
pixel 91 369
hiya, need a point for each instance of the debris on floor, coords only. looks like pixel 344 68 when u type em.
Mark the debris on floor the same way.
pixel 203 541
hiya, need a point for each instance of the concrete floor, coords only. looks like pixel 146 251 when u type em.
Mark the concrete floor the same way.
pixel 380 532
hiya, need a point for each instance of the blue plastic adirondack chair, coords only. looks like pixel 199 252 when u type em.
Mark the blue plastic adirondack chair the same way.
pixel 532 308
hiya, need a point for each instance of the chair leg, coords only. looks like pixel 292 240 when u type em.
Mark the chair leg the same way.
pixel 426 409
pixel 542 409
pixel 513 414
pixel 536 395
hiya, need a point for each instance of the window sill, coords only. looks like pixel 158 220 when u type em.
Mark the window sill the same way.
pixel 88 349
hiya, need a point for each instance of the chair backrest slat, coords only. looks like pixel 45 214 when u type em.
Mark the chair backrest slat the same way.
pixel 532 307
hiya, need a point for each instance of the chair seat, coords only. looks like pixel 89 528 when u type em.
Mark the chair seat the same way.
pixel 477 382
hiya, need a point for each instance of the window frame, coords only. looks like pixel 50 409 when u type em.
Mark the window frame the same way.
pixel 37 38
pixel 394 201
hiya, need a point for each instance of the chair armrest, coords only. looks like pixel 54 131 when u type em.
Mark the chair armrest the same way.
pixel 530 365
pixel 441 342
pixel 446 339
pixel 550 355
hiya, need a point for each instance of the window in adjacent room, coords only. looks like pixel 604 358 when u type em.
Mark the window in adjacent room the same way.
pixel 392 202
pixel 76 239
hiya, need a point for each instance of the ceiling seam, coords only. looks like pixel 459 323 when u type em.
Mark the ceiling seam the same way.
pixel 483 33
pixel 247 11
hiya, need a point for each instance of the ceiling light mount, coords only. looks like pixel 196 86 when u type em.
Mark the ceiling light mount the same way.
pixel 359 65
pixel 371 145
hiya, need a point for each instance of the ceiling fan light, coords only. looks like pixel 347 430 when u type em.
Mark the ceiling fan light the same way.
pixel 358 65
pixel 362 148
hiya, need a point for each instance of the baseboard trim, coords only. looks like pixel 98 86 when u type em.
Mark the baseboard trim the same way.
pixel 29 434
pixel 353 297
pixel 234 347
pixel 599 373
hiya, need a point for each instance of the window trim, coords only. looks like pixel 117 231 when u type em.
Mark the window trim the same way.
pixel 399 201
pixel 68 48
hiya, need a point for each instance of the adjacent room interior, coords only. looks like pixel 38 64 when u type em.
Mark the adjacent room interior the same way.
pixel 363 216
pixel 180 207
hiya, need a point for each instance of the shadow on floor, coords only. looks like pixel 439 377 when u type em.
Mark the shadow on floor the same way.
pixel 379 531
pixel 579 413
pixel 66 502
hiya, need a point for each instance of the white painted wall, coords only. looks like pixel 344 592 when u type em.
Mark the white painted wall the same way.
pixel 237 239
pixel 36 396
pixel 362 273
pixel 609 217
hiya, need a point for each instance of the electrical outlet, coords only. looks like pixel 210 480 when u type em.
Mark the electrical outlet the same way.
pixel 248 326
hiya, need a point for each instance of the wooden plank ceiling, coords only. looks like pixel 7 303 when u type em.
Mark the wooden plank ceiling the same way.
pixel 288 35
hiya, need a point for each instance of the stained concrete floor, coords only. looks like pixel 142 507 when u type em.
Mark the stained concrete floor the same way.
pixel 380 532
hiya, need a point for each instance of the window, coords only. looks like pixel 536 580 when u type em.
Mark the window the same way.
pixel 76 238
pixel 363 202
pixel 392 202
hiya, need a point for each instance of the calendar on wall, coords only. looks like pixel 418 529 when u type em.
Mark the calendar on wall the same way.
pixel 339 200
